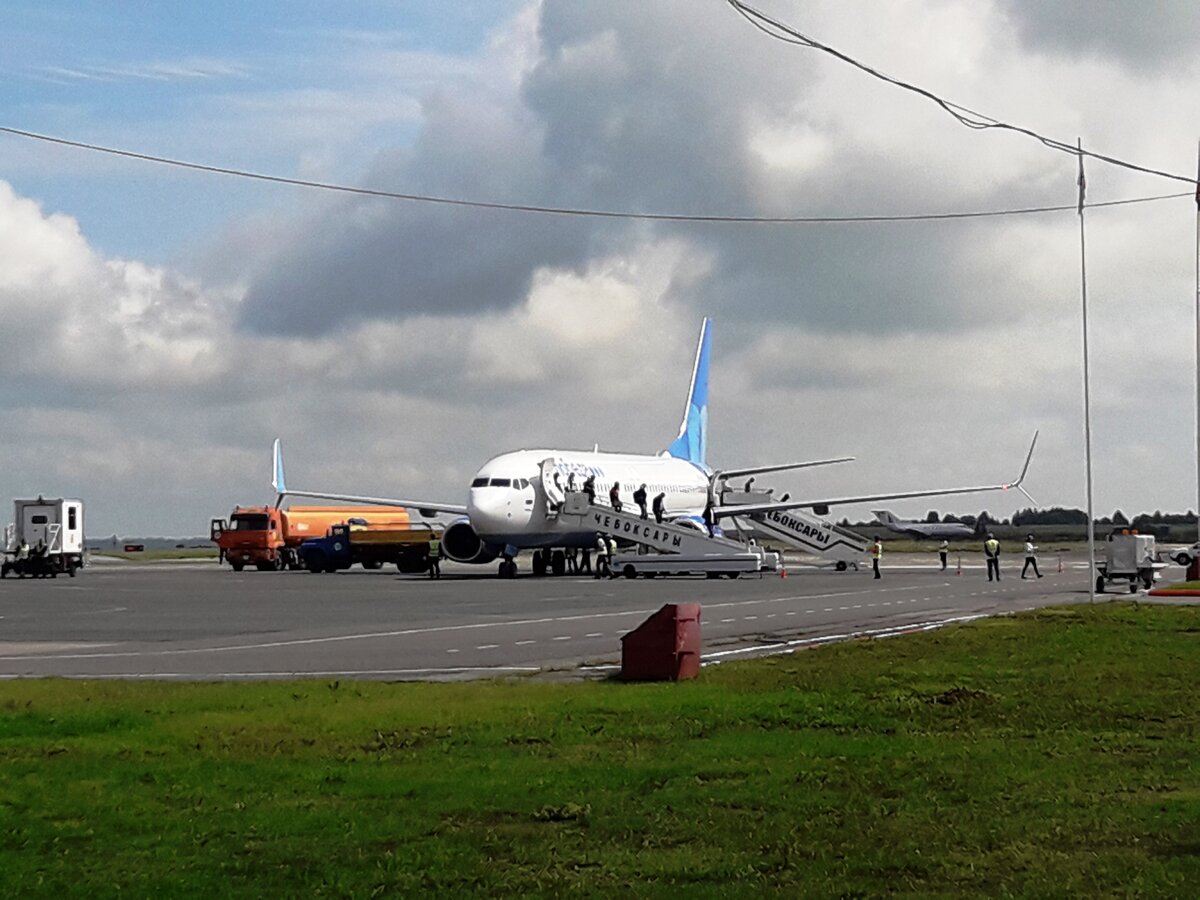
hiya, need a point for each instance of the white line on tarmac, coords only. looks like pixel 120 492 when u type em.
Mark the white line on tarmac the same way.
pixel 438 629
pixel 325 673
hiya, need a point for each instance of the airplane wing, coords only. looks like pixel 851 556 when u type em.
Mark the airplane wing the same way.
pixel 758 470
pixel 424 507
pixel 821 506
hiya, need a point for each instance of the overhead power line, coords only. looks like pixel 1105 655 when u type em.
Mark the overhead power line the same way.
pixel 968 117
pixel 570 211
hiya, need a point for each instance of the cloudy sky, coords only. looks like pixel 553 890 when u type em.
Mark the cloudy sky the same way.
pixel 159 327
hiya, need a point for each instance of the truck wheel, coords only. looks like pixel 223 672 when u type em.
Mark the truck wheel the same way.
pixel 839 566
pixel 1099 584
pixel 629 571
pixel 558 563
pixel 372 564
pixel 236 566
pixel 732 574
pixel 315 562
pixel 71 570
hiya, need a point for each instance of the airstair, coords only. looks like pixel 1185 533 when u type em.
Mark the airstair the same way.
pixel 667 548
pixel 799 529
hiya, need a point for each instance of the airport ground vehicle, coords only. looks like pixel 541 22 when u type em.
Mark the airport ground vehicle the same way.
pixel 354 542
pixel 269 538
pixel 52 531
pixel 1128 557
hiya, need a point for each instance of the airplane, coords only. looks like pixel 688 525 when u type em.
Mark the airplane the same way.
pixel 510 499
pixel 945 530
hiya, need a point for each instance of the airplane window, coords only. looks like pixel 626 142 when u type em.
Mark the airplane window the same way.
pixel 501 482
pixel 479 482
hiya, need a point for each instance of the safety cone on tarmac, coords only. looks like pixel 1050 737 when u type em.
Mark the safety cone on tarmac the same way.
pixel 783 571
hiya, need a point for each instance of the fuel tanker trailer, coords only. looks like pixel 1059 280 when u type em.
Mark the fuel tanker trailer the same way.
pixel 269 538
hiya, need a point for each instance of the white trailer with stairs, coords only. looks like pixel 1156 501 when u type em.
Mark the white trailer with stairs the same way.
pixel 799 529
pixel 668 547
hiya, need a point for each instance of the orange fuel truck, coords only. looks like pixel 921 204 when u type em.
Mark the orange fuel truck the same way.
pixel 269 538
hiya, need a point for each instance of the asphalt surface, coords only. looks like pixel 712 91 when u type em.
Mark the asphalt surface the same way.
pixel 202 622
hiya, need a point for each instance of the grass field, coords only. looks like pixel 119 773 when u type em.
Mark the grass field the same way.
pixel 158 555
pixel 1052 753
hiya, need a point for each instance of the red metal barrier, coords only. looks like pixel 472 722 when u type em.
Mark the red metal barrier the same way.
pixel 666 647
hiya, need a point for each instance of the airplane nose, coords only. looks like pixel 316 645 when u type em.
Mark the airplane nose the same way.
pixel 491 511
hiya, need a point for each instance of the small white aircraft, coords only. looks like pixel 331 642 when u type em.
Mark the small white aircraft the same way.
pixel 509 500
pixel 945 530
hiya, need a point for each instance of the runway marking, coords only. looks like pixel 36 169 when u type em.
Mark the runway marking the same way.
pixel 524 643
pixel 487 647
pixel 452 651
pixel 439 629
pixel 299 673
pixel 563 637
pixel 593 634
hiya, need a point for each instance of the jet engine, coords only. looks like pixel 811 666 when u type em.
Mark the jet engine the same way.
pixel 461 544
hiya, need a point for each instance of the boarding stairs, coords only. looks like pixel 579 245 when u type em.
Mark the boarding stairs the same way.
pixel 665 547
pixel 799 529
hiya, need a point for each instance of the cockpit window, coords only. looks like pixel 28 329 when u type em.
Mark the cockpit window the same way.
pixel 501 482
pixel 479 482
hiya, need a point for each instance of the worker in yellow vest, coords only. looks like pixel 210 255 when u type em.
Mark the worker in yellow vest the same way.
pixel 435 557
pixel 991 550
pixel 876 555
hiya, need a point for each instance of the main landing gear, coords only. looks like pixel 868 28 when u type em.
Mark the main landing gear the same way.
pixel 508 567
pixel 553 561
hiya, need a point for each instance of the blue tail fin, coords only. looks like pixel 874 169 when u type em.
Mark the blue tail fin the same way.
pixel 692 443
pixel 277 481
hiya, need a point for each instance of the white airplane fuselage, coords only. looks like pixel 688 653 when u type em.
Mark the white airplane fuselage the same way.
pixel 506 504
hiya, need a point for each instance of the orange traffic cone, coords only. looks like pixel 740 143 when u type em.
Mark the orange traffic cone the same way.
pixel 782 572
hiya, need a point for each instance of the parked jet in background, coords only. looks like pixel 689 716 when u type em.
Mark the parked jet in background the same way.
pixel 512 500
pixel 942 530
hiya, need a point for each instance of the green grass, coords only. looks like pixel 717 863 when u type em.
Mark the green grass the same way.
pixel 167 553
pixel 1047 754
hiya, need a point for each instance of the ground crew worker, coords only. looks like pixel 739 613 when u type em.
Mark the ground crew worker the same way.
pixel 659 510
pixel 435 557
pixel 585 564
pixel 1030 556
pixel 991 549
pixel 943 552
pixel 23 550
pixel 601 557
pixel 876 555
pixel 571 482
pixel 639 497
pixel 572 557
pixel 709 521
pixel 612 552
pixel 614 496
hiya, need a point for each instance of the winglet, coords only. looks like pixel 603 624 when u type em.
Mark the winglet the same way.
pixel 277 480
pixel 692 442
pixel 1028 458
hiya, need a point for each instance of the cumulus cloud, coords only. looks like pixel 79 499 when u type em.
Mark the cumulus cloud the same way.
pixel 396 346
pixel 1154 35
